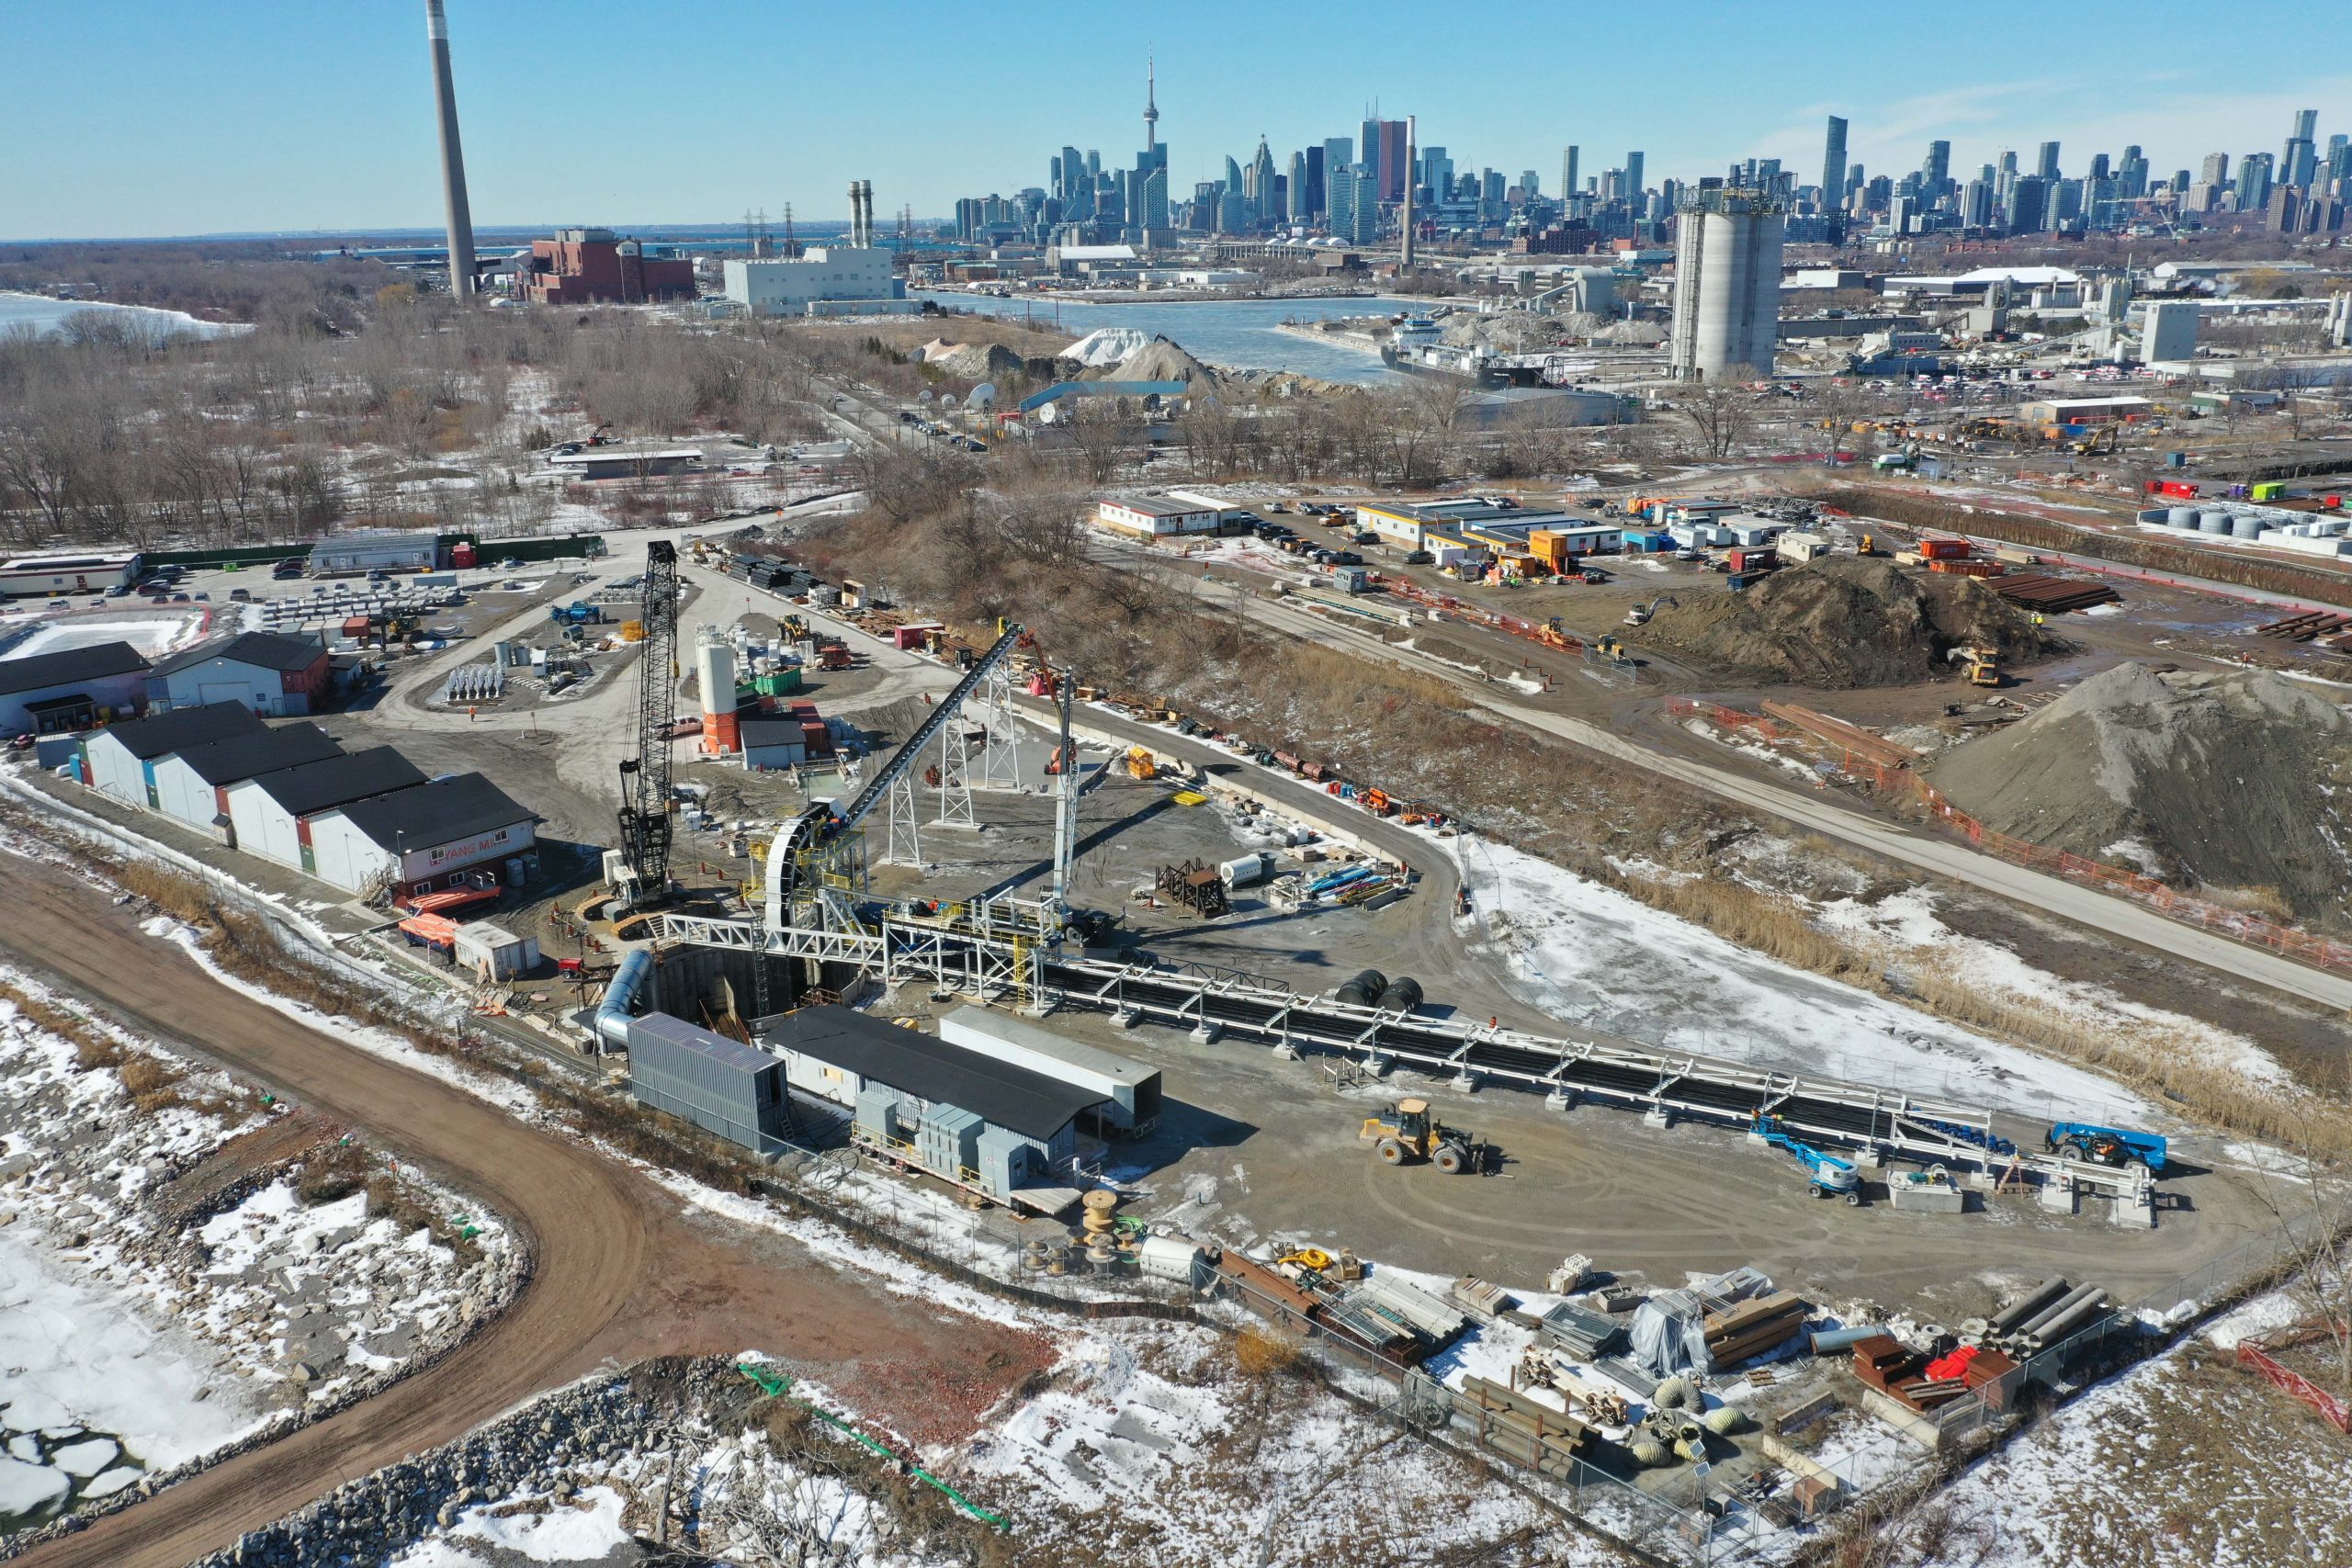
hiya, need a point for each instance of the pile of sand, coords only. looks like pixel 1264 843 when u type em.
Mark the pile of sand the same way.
pixel 2240 782
pixel 1847 621
pixel 972 361
pixel 1159 360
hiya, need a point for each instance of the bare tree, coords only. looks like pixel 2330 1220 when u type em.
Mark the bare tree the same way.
pixel 1721 414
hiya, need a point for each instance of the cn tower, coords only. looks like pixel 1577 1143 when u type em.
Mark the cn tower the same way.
pixel 1150 104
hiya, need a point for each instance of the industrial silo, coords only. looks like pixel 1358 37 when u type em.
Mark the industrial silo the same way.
pixel 2180 517
pixel 2212 520
pixel 714 676
pixel 1726 282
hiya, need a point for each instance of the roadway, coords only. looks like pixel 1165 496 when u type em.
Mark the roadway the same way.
pixel 1826 814
pixel 624 1270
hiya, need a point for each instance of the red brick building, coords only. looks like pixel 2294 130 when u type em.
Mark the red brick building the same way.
pixel 582 267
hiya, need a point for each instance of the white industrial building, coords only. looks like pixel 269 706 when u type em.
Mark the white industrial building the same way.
pixel 56 693
pixel 1130 1090
pixel 118 761
pixel 191 783
pixel 422 837
pixel 1727 283
pixel 269 813
pixel 826 280
pixel 1157 516
pixel 39 577
pixel 270 673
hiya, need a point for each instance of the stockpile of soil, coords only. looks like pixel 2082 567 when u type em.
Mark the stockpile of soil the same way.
pixel 1847 621
pixel 972 361
pixel 2239 783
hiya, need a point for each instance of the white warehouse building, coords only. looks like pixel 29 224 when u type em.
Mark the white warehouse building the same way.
pixel 421 839
pixel 826 280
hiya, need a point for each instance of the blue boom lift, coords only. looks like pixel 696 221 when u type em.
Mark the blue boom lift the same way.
pixel 1829 1176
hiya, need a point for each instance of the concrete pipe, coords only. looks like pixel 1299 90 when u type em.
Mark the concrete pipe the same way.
pixel 2034 1326
pixel 1829 1341
pixel 2038 1299
pixel 2073 1320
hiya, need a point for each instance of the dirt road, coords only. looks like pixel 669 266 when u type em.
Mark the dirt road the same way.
pixel 622 1272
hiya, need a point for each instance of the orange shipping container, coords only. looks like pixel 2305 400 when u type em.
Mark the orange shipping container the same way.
pixel 1943 550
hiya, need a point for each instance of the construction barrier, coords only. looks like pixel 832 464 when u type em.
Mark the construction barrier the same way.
pixel 2161 897
pixel 2331 1410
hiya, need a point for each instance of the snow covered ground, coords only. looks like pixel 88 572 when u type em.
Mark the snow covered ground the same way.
pixel 144 1325
pixel 153 635
pixel 1591 954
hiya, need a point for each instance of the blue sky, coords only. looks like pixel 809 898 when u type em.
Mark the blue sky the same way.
pixel 186 117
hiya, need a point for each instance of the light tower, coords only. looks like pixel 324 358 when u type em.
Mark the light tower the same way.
pixel 453 157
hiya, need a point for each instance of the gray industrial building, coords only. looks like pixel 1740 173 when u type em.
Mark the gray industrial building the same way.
pixel 721 1084
pixel 1130 1089
pixel 54 693
pixel 1006 1132
pixel 375 550
pixel 1726 282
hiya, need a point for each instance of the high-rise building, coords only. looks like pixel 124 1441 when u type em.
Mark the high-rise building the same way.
pixel 1316 202
pixel 1260 186
pixel 2338 167
pixel 2299 162
pixel 2216 169
pixel 2023 209
pixel 1936 169
pixel 1296 190
pixel 1568 186
pixel 1634 186
pixel 2045 167
pixel 1833 166
pixel 2254 182
pixel 1355 196
pixel 1976 205
pixel 1392 159
pixel 1726 282
pixel 1368 146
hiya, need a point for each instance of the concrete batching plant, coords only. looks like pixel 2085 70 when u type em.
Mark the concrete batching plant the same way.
pixel 1726 282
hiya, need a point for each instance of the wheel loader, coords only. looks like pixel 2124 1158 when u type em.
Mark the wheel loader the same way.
pixel 1408 1131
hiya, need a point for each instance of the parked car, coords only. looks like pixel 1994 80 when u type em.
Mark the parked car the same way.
pixel 1346 557
pixel 241 596
pixel 1367 537
pixel 118 591
pixel 1420 558
pixel 179 598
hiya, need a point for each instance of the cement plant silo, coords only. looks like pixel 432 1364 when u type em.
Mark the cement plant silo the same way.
pixel 1726 282
pixel 715 677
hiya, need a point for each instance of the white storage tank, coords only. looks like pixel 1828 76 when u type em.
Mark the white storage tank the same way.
pixel 2245 528
pixel 1242 871
pixel 2214 521
pixel 2181 517
pixel 715 673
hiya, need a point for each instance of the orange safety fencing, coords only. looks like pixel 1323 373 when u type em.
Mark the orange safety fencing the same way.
pixel 2331 1409
pixel 2158 894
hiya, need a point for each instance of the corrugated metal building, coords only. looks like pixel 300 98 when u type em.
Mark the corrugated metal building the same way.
pixel 192 782
pixel 268 672
pixel 722 1085
pixel 119 759
pixel 1130 1089
pixel 978 1120
pixel 271 812
pixel 427 837
pixel 376 550
pixel 52 694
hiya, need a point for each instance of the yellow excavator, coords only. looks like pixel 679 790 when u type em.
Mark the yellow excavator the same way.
pixel 1408 1129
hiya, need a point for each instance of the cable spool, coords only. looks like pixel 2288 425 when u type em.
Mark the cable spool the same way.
pixel 1100 1205
pixel 1364 989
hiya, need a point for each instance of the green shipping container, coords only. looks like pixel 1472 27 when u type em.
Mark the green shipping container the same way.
pixel 2270 492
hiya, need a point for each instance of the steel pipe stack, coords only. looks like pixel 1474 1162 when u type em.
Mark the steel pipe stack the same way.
pixel 2034 1302
pixel 2033 1330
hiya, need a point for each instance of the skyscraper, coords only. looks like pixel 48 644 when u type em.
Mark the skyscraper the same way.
pixel 1148 206
pixel 1568 187
pixel 1634 186
pixel 1261 170
pixel 1833 165
pixel 1392 160
pixel 1296 208
pixel 1368 140
pixel 2301 161
pixel 2216 170
pixel 1318 161
pixel 2255 173
pixel 1937 170
pixel 2045 167
pixel 1727 283
pixel 2024 212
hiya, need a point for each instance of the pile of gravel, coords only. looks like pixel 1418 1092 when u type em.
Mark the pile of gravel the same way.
pixel 2239 783
pixel 1847 621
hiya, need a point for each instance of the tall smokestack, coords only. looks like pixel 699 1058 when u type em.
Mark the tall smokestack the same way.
pixel 1413 178
pixel 865 209
pixel 453 156
pixel 853 212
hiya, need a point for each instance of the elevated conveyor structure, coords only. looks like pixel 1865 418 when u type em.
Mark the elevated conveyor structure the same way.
pixel 999 950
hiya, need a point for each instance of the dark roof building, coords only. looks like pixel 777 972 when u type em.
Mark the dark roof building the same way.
pixel 318 786
pixel 465 807
pixel 268 671
pixel 262 651
pixel 68 667
pixel 147 739
pixel 1029 1103
pixel 51 694
pixel 270 750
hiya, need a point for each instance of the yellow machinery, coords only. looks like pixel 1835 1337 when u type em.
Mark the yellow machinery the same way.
pixel 1408 1129
pixel 1868 546
pixel 1142 764
pixel 1979 666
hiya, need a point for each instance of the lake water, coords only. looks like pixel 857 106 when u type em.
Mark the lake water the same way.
pixel 44 316
pixel 1233 334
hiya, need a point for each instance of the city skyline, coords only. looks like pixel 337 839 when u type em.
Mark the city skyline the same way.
pixel 99 170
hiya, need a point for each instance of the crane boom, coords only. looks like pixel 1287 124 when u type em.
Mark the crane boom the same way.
pixel 821 822
pixel 645 779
